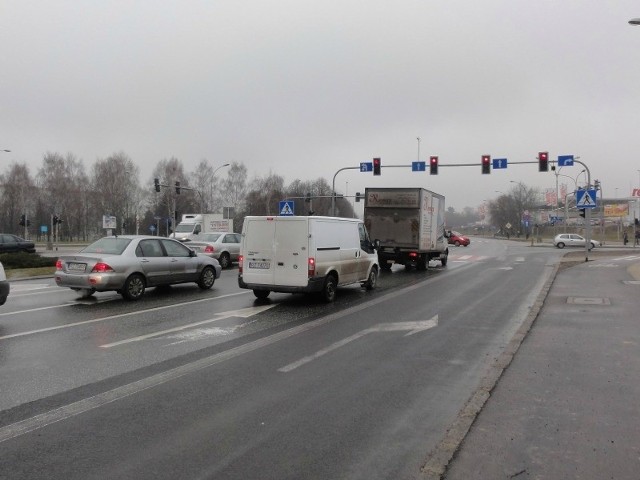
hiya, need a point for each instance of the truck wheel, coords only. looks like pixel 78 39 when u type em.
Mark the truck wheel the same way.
pixel 329 289
pixel 423 263
pixel 444 259
pixel 372 280
pixel 261 294
pixel 225 260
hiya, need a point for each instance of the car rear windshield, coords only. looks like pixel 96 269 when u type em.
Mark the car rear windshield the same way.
pixel 110 245
pixel 210 237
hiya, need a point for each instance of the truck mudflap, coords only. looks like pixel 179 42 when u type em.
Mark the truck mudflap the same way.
pixel 314 285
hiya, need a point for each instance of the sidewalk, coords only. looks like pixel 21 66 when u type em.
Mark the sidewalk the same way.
pixel 568 405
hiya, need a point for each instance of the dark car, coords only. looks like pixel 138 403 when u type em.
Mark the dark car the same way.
pixel 13 243
pixel 458 239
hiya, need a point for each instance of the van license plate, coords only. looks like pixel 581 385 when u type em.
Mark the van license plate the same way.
pixel 260 265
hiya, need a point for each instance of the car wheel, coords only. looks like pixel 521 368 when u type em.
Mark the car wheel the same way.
pixel 207 278
pixel 329 289
pixel 372 280
pixel 261 294
pixel 225 260
pixel 133 287
pixel 457 243
pixel 560 245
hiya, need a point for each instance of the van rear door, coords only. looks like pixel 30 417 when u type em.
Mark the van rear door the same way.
pixel 258 249
pixel 292 252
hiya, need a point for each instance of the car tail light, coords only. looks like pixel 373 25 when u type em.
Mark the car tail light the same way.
pixel 101 267
pixel 413 254
pixel 312 267
pixel 209 249
pixel 240 258
pixel 59 265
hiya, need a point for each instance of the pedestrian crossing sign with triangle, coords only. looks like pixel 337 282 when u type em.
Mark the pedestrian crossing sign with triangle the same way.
pixel 285 208
pixel 586 198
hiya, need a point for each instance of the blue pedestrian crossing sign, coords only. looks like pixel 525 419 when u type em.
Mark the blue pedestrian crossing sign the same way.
pixel 586 198
pixel 366 166
pixel 285 208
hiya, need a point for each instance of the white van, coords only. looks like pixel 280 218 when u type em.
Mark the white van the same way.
pixel 305 254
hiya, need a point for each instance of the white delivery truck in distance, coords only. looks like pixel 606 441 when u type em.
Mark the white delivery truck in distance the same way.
pixel 193 224
pixel 305 254
pixel 408 223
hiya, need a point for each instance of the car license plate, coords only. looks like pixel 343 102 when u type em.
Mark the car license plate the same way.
pixel 76 267
pixel 260 265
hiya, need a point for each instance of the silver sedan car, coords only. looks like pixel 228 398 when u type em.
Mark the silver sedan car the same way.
pixel 224 246
pixel 128 264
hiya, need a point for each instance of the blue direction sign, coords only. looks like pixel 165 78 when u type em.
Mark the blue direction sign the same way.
pixel 285 208
pixel 499 163
pixel 586 198
pixel 418 166
pixel 366 166
pixel 565 160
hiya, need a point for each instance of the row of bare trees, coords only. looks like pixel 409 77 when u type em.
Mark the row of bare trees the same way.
pixel 62 187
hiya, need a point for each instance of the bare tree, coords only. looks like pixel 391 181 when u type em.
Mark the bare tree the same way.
pixel 19 197
pixel 63 186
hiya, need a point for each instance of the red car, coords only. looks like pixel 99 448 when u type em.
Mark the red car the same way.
pixel 458 239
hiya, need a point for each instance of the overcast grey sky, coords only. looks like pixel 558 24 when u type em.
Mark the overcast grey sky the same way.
pixel 302 88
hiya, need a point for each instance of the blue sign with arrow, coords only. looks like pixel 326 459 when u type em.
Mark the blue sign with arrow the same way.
pixel 565 160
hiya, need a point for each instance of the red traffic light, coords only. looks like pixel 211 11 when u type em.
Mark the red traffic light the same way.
pixel 543 161
pixel 486 164
pixel 376 166
pixel 433 165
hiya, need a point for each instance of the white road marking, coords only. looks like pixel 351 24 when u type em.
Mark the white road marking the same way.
pixel 413 327
pixel 244 312
pixel 81 406
pixel 111 317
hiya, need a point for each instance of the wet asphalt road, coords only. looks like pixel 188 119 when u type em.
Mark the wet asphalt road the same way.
pixel 216 384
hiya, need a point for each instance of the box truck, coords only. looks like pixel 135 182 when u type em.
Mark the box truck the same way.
pixel 408 223
pixel 192 224
pixel 305 254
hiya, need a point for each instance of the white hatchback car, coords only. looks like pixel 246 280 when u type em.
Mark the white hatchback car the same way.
pixel 573 240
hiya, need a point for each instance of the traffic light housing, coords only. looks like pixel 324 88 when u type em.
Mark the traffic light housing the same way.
pixel 358 196
pixel 376 166
pixel 178 188
pixel 583 212
pixel 486 164
pixel 22 221
pixel 433 165
pixel 543 161
pixel 156 184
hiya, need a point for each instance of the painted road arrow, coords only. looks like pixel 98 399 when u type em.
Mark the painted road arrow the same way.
pixel 412 327
pixel 243 312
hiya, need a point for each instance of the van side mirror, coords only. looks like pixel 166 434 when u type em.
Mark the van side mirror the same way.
pixel 376 244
